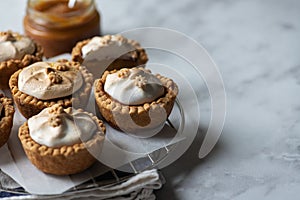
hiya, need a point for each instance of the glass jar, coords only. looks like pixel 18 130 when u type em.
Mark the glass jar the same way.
pixel 57 26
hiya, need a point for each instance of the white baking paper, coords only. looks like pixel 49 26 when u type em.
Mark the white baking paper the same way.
pixel 14 162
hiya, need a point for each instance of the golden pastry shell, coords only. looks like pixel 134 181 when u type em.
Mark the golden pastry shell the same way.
pixel 29 105
pixel 111 109
pixel 7 68
pixel 6 120
pixel 63 160
pixel 142 57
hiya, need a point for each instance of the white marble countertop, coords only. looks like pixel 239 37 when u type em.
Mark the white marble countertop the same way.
pixel 256 47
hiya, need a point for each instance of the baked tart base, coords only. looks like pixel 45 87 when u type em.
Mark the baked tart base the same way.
pixel 6 119
pixel 29 105
pixel 140 57
pixel 63 160
pixel 134 119
pixel 7 68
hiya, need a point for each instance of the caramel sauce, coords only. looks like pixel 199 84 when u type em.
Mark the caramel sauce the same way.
pixel 57 28
pixel 57 7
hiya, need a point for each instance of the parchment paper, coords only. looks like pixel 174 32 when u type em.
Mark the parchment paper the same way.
pixel 15 163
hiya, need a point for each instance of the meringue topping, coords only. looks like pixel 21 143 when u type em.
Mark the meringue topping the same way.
pixel 57 127
pixel 133 86
pixel 45 80
pixel 14 46
pixel 108 47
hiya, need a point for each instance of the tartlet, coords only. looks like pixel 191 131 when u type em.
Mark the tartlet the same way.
pixel 142 116
pixel 109 52
pixel 54 74
pixel 6 118
pixel 59 158
pixel 16 52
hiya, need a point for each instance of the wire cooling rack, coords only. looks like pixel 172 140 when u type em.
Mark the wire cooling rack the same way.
pixel 113 176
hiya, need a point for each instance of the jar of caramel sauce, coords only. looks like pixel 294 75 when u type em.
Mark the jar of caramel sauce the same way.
pixel 57 26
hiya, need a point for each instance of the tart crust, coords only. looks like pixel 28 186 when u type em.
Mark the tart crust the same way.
pixel 63 160
pixel 133 119
pixel 6 119
pixel 7 68
pixel 29 105
pixel 141 58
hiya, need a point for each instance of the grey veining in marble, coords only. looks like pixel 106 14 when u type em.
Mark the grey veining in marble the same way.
pixel 256 45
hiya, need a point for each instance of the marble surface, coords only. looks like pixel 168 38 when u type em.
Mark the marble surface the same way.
pixel 256 47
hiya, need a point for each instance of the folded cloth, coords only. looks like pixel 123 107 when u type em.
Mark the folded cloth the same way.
pixel 138 187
